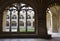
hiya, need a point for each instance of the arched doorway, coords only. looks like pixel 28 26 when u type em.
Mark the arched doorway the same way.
pixel 53 19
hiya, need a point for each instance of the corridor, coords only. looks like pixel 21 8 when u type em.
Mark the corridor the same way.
pixel 53 20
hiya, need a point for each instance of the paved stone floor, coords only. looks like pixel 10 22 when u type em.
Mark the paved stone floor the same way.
pixel 54 34
pixel 31 39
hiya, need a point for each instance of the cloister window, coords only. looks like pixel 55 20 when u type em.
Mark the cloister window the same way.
pixel 19 18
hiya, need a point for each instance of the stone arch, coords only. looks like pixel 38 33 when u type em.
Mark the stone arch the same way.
pixel 54 15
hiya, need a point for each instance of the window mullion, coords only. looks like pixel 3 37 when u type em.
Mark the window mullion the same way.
pixel 18 18
pixel 26 20
pixel 18 22
pixel 10 20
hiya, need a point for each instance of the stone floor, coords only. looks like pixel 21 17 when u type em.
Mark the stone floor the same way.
pixel 54 34
pixel 17 39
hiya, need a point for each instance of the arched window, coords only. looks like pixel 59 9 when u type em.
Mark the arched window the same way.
pixel 20 17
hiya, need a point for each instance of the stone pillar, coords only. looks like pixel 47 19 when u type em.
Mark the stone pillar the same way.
pixel 42 25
